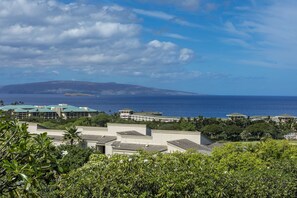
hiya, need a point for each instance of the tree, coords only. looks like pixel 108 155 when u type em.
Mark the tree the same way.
pixel 232 132
pixel 27 162
pixel 71 157
pixel 1 103
pixel 213 130
pixel 72 134
pixel 258 131
pixel 234 170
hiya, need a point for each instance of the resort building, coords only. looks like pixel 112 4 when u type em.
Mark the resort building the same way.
pixel 63 111
pixel 236 116
pixel 146 116
pixel 284 118
pixel 291 136
pixel 131 138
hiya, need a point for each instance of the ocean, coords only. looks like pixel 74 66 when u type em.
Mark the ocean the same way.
pixel 185 106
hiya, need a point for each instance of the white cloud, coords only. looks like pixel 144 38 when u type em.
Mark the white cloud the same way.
pixel 84 37
pixel 269 33
pixel 181 4
pixel 166 17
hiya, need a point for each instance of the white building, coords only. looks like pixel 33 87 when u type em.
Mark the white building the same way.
pixel 146 116
pixel 130 138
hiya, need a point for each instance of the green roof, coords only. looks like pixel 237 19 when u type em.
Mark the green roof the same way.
pixel 32 108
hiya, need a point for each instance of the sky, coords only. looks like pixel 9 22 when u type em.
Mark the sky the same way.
pixel 218 47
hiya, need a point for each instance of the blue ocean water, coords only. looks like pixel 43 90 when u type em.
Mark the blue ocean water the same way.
pixel 186 106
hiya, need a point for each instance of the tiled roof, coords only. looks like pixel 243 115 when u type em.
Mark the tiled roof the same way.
pixel 31 108
pixel 131 133
pixel 101 139
pixel 186 144
pixel 117 145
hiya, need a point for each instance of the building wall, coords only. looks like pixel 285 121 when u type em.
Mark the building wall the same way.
pixel 94 130
pixel 171 148
pixel 162 136
pixel 135 139
pixel 205 140
pixel 123 152
pixel 157 137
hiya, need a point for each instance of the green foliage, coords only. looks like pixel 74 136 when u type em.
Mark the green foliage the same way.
pixel 213 130
pixel 258 131
pixel 28 163
pixel 71 134
pixel 235 170
pixel 71 157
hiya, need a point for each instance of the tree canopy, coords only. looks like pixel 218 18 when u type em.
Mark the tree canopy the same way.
pixel 28 163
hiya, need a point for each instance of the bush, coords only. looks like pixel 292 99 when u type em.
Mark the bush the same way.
pixel 232 171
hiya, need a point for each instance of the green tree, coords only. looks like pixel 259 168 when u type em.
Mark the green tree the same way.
pixel 27 163
pixel 258 131
pixel 213 131
pixel 234 170
pixel 71 134
pixel 232 132
pixel 71 157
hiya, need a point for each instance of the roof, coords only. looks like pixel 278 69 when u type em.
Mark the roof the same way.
pixel 187 144
pixel 101 139
pixel 131 133
pixel 216 144
pixel 136 147
pixel 286 116
pixel 43 110
pixel 148 113
pixel 32 108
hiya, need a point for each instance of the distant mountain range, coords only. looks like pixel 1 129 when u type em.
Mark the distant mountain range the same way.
pixel 79 88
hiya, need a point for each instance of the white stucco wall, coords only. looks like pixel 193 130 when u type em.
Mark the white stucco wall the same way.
pixel 171 148
pixel 135 139
pixel 162 136
pixel 93 130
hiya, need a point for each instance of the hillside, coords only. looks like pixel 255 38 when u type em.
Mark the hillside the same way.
pixel 90 88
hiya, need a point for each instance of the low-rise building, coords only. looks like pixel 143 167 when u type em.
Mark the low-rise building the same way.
pixel 130 138
pixel 146 116
pixel 236 116
pixel 284 118
pixel 291 136
pixel 63 111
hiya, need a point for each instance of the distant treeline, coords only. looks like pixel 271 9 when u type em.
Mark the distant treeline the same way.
pixel 215 129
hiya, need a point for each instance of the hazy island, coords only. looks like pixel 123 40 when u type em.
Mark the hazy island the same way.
pixel 80 88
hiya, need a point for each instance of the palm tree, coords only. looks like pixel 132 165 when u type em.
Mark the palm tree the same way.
pixel 71 134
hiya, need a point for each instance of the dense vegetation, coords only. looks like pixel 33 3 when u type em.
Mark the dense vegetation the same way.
pixel 31 166
pixel 215 129
pixel 267 169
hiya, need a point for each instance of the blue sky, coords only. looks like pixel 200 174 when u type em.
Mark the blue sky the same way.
pixel 224 47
